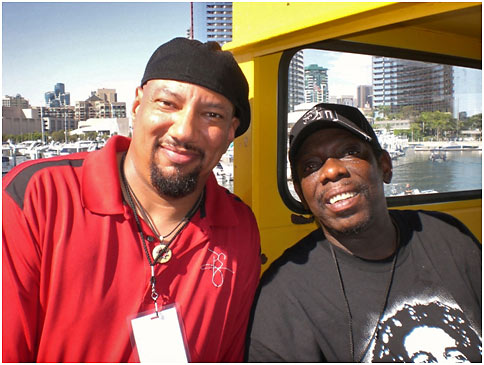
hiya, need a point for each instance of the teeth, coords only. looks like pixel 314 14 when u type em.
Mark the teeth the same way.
pixel 340 197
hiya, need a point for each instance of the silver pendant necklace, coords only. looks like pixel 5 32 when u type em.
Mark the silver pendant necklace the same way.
pixel 347 306
pixel 162 253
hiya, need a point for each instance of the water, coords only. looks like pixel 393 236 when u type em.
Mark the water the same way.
pixel 462 170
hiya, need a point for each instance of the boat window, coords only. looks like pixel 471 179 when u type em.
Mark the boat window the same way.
pixel 426 114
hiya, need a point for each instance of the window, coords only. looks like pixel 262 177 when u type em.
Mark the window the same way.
pixel 425 109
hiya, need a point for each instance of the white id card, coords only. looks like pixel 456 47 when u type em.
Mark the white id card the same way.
pixel 159 339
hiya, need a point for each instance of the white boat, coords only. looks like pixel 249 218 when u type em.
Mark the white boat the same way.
pixel 459 147
pixel 10 159
pixel 437 156
pixel 79 146
pixel 223 172
pixel 416 192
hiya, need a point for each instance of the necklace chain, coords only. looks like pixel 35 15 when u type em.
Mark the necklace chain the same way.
pixel 135 203
pixel 347 305
pixel 149 221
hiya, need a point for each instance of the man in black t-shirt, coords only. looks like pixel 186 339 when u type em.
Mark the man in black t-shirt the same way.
pixel 370 284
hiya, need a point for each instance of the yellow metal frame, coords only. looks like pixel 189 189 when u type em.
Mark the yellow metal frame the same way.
pixel 262 31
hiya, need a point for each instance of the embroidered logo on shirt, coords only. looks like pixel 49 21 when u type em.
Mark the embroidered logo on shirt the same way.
pixel 218 268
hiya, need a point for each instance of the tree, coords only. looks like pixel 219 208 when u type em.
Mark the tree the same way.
pixel 473 122
pixel 384 110
pixel 436 122
pixel 416 131
pixel 90 136
pixel 407 112
pixel 58 136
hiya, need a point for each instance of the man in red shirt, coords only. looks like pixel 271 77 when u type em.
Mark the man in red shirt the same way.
pixel 134 252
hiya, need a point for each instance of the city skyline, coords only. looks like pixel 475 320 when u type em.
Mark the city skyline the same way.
pixel 85 46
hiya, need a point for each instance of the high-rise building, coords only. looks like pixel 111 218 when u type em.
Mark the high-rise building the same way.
pixel 109 95
pixel 467 92
pixel 212 21
pixel 346 100
pixel 316 84
pixel 296 81
pixel 15 101
pixel 101 104
pixel 426 87
pixel 58 97
pixel 364 96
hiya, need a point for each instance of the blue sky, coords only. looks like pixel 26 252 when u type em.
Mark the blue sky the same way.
pixel 86 46
pixel 92 45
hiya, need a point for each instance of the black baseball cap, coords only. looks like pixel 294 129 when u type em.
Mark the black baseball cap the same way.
pixel 204 64
pixel 326 115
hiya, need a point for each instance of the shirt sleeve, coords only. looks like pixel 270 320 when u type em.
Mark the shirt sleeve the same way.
pixel 279 329
pixel 20 284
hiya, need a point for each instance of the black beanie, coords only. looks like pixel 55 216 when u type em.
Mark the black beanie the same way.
pixel 203 64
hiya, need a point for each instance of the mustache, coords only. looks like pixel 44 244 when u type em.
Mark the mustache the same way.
pixel 361 188
pixel 180 145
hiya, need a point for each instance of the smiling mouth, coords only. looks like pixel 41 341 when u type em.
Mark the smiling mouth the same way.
pixel 340 197
pixel 180 154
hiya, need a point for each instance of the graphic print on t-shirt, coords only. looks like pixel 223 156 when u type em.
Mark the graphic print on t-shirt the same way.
pixel 218 267
pixel 425 331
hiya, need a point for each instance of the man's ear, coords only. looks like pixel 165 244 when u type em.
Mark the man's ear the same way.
pixel 234 124
pixel 137 101
pixel 386 166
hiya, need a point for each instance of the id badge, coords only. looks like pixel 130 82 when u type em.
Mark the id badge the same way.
pixel 160 338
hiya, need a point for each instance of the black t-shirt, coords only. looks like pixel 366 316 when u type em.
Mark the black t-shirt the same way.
pixel 433 311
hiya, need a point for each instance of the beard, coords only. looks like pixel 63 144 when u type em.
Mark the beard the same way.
pixel 350 231
pixel 357 228
pixel 177 185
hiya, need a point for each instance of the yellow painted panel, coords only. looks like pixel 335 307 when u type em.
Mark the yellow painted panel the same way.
pixel 270 32
pixel 243 145
pixel 254 21
pixel 425 40
pixel 265 195
pixel 467 211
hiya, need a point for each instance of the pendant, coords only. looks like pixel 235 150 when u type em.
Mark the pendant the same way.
pixel 163 258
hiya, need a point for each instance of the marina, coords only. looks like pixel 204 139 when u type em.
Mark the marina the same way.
pixel 14 154
pixel 417 173
pixel 416 169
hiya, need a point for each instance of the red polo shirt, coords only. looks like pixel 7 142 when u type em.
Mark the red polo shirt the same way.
pixel 75 272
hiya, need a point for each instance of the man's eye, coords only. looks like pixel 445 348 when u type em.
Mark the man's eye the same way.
pixel 352 151
pixel 165 103
pixel 311 166
pixel 214 115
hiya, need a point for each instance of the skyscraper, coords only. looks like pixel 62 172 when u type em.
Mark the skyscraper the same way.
pixel 316 84
pixel 58 97
pixel 212 21
pixel 296 81
pixel 426 87
pixel 364 96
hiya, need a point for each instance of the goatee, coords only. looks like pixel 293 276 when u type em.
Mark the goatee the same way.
pixel 177 185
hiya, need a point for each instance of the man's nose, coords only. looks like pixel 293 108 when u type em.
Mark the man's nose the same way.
pixel 184 125
pixel 332 170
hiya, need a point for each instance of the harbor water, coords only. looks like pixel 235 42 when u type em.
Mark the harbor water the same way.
pixel 461 170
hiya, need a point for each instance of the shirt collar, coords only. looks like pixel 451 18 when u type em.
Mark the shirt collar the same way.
pixel 101 187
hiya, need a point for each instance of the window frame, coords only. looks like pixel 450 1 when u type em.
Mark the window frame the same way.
pixel 371 50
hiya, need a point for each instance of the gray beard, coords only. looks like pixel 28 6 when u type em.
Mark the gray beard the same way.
pixel 349 232
pixel 177 186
